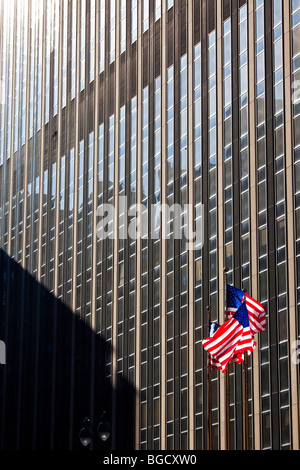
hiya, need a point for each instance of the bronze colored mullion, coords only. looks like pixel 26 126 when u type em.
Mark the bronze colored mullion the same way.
pixel 126 77
pixel 75 104
pixel 88 127
pixel 124 73
pixel 62 134
pixel 8 165
pixel 223 428
pixel 191 253
pixel 290 208
pixel 139 88
pixel 61 147
pixel 84 106
pixel 20 371
pixel 105 98
pixel 256 418
pixel 238 404
pixel 271 217
pixel 163 272
pixel 177 303
pixel 5 286
pixel 150 408
pixel 67 142
pixel 205 249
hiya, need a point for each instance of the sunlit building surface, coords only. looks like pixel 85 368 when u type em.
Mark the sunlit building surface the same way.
pixel 165 102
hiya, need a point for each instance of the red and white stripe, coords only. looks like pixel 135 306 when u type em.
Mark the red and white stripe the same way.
pixel 257 315
pixel 213 362
pixel 246 342
pixel 222 346
pixel 229 312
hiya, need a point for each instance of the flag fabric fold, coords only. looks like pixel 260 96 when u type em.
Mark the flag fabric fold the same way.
pixel 244 316
pixel 212 362
pixel 234 300
pixel 231 339
pixel 257 314
pixel 256 311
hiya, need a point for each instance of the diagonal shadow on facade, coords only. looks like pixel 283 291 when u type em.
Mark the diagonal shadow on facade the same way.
pixel 54 374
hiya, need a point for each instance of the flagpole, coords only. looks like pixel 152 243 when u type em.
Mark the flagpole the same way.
pixel 246 403
pixel 246 410
pixel 227 371
pixel 209 395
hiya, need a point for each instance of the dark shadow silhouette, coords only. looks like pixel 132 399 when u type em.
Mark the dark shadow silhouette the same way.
pixel 54 375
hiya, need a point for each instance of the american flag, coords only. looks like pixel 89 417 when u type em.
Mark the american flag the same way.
pixel 256 311
pixel 212 361
pixel 231 339
pixel 234 300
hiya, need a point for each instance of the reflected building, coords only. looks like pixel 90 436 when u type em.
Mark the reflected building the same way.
pixel 164 102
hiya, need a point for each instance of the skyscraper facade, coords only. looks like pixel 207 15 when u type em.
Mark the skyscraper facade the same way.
pixel 156 102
